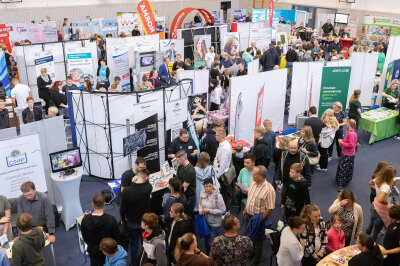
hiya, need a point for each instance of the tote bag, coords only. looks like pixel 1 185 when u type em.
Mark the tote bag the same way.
pixel 201 225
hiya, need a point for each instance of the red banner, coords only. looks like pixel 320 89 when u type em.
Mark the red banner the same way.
pixel 260 101
pixel 146 15
pixel 177 22
pixel 4 36
pixel 271 12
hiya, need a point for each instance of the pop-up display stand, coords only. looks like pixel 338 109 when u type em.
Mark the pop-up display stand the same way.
pixel 145 62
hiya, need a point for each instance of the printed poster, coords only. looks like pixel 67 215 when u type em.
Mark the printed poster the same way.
pixel 231 43
pixel 32 32
pixel 45 60
pixel 259 15
pixel 80 66
pixel 109 26
pixel 239 15
pixel 86 28
pixel 160 23
pixel 172 47
pixel 334 87
pixel 4 74
pixel 262 37
pixel 127 23
pixel 216 14
pixel 198 112
pixel 65 33
pixel 120 57
pixel 50 31
pixel 201 45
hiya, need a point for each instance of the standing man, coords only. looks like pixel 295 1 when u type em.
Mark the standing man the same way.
pixel 135 201
pixel 96 226
pixel 253 47
pixel 291 57
pixel 225 61
pixel 260 199
pixel 38 205
pixel 241 70
pixel 222 161
pixel 302 31
pixel 187 174
pixel 327 28
pixel 210 140
pixel 18 95
pixel 188 64
pixel 69 85
pixel 135 31
pixel 183 142
pixel 163 72
pixel 209 58
pixel 127 176
pixel 314 122
pixel 178 59
pixel 234 69
pixel 282 21
pixel 270 58
pixel 4 119
pixel 171 53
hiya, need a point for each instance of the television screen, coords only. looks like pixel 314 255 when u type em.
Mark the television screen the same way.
pixel 226 5
pixel 341 18
pixel 66 159
pixel 147 60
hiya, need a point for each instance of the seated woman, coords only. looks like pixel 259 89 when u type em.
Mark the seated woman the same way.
pixel 5 220
pixel 370 252
pixel 87 85
pixel 155 79
pixel 391 95
pixel 58 97
pixel 351 213
pixel 145 84
pixel 187 253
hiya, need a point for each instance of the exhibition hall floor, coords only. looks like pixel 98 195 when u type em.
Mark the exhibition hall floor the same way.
pixel 323 193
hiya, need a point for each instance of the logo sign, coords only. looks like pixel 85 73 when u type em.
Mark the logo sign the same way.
pixel 260 100
pixel 16 158
pixel 147 18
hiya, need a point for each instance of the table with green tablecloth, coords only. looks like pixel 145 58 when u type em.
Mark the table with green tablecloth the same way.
pixel 381 123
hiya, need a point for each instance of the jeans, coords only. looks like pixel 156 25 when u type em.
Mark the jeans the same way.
pixel 214 232
pixel 375 224
pixel 190 204
pixel 290 66
pixel 268 69
pixel 135 229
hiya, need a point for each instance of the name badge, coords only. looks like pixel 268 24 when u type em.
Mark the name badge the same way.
pixel 190 147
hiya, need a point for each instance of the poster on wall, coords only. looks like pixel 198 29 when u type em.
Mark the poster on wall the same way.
pixel 80 66
pixel 288 15
pixel 45 60
pixel 65 30
pixel 109 26
pixel 231 43
pixel 198 112
pixel 262 37
pixel 352 25
pixel 32 32
pixel 4 74
pixel 172 47
pixel 201 45
pixel 21 161
pixel 120 55
pixel 127 22
pixel 334 87
pixel 86 29
pixel 50 31
pixel 259 15
pixel 239 15
pixel 160 23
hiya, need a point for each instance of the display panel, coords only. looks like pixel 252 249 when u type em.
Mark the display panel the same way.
pixel 66 159
pixel 147 60
pixel 341 18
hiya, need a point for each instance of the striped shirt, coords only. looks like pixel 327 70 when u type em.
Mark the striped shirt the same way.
pixel 260 198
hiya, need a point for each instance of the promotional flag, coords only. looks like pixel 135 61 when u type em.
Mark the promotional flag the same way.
pixel 271 12
pixel 147 18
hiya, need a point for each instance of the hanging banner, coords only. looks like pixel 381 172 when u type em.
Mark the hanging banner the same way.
pixel 4 74
pixel 50 31
pixel 271 12
pixel 20 161
pixel 31 32
pixel 231 43
pixel 80 66
pixel 109 26
pixel 146 16
pixel 171 48
pixel 120 57
pixel 239 15
pixel 334 87
pixel 259 15
pixel 262 37
pixel 4 36
pixel 86 29
pixel 45 60
pixel 127 23
pixel 260 100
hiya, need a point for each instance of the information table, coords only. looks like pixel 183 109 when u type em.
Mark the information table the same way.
pixel 345 253
pixel 381 123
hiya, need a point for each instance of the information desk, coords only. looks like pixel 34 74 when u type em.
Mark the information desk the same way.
pixel 381 123
pixel 68 188
pixel 345 254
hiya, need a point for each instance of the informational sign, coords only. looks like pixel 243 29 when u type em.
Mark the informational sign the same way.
pixel 352 25
pixel 262 37
pixel 86 29
pixel 334 87
pixel 175 112
pixel 32 32
pixel 4 74
pixel 147 43
pixel 80 65
pixel 50 31
pixel 20 161
pixel 147 18
pixel 172 47
pixel 216 14
pixel 4 36
pixel 259 15
pixel 231 43
pixel 45 60
pixel 201 45
pixel 376 28
pixel 239 15
pixel 109 26
pixel 65 33
pixel 120 57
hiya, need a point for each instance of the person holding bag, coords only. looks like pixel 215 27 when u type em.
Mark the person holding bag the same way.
pixel 326 138
pixel 308 146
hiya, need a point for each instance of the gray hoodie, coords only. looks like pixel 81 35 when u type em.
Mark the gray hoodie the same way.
pixel 217 207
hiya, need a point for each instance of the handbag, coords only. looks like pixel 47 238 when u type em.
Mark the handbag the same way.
pixel 201 225
pixel 314 160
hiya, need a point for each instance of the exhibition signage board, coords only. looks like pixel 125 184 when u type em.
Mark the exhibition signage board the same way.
pixel 172 48
pixel 127 23
pixel 259 15
pixel 86 28
pixel 286 14
pixel 32 32
pixel 20 161
pixel 50 31
pixel 334 87
pixel 80 65
pixel 4 36
pixel 216 15
pixel 4 74
pixel 375 28
pixel 45 60
pixel 352 25
pixel 176 117
pixel 109 26
pixel 231 43
pixel 121 65
pixel 262 37
pixel 146 43
pixel 146 15
pixel 239 15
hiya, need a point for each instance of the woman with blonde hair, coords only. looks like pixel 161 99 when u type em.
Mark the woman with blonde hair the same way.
pixel 326 137
pixel 391 95
pixel 308 145
pixel 341 117
pixel 186 252
pixel 200 50
pixel 355 106
pixel 315 236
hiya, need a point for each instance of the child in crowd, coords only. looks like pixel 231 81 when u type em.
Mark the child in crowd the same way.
pixel 174 78
pixel 269 135
pixel 237 157
pixel 145 84
pixel 52 112
pixel 335 235
pixel 295 193
pixel 283 145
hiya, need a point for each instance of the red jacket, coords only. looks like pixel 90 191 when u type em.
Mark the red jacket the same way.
pixel 334 241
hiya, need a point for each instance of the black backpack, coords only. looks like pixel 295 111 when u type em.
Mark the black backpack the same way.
pixel 275 240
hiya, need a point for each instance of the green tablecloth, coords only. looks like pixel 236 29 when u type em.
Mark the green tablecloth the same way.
pixel 380 129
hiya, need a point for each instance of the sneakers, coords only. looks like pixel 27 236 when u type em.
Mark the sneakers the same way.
pixel 321 169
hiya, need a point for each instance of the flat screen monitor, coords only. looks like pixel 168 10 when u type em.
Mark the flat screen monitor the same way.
pixel 147 60
pixel 341 18
pixel 65 160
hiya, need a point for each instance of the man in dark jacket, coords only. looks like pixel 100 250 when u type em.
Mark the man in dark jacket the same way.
pixel 291 56
pixel 314 122
pixel 270 58
pixel 210 142
pixel 260 146
pixel 336 45
pixel 4 119
pixel 95 227
pixel 36 112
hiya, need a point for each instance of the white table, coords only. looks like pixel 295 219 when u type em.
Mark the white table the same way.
pixel 68 188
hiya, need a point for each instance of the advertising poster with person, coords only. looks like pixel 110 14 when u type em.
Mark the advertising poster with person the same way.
pixel 171 48
pixel 121 65
pixel 239 15
pixel 262 37
pixel 201 45
pixel 86 29
pixel 198 111
pixel 231 43
pixel 109 26
pixel 80 66
pixel 45 60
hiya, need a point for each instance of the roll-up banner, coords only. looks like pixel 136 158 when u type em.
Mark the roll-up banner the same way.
pixel 4 74
pixel 45 60
pixel 50 31
pixel 120 57
pixel 146 15
pixel 80 65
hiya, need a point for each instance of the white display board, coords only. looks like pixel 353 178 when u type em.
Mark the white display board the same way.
pixel 172 47
pixel 80 66
pixel 120 55
pixel 176 112
pixel 262 37
pixel 21 161
pixel 45 60
pixel 255 98
pixel 200 79
pixel 253 67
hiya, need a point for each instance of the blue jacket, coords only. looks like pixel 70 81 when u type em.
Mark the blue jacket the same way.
pixel 163 73
pixel 271 140
pixel 119 259
pixel 306 173
pixel 256 228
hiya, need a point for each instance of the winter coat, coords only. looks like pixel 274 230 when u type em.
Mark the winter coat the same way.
pixel 260 151
pixel 153 249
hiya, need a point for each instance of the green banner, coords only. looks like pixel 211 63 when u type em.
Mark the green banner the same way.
pixel 334 87
pixel 198 64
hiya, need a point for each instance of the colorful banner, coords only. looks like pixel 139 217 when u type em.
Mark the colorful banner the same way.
pixel 45 60
pixel 216 14
pixel 260 100
pixel 259 15
pixel 4 36
pixel 180 17
pixel 334 87
pixel 286 14
pixel 146 16
pixel 80 66
pixel 86 28
pixel 127 23
pixel 377 28
pixel 32 32
pixel 4 74
pixel 120 57
pixel 231 43
pixel 171 48
pixel 239 15
pixel 66 33
pixel 109 26
pixel 271 12
pixel 50 31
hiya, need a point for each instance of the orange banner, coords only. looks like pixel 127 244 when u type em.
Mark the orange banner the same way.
pixel 146 15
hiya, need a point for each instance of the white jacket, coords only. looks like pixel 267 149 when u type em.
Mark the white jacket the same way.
pixel 327 136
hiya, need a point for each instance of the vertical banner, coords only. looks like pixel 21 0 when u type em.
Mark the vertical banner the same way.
pixel 20 161
pixel 334 87
pixel 80 66
pixel 45 60
pixel 4 74
pixel 120 57
pixel 65 33
pixel 239 15
pixel 50 31
pixel 231 43
pixel 4 36
pixel 271 12
pixel 259 112
pixel 171 48
pixel 146 16
pixel 109 26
